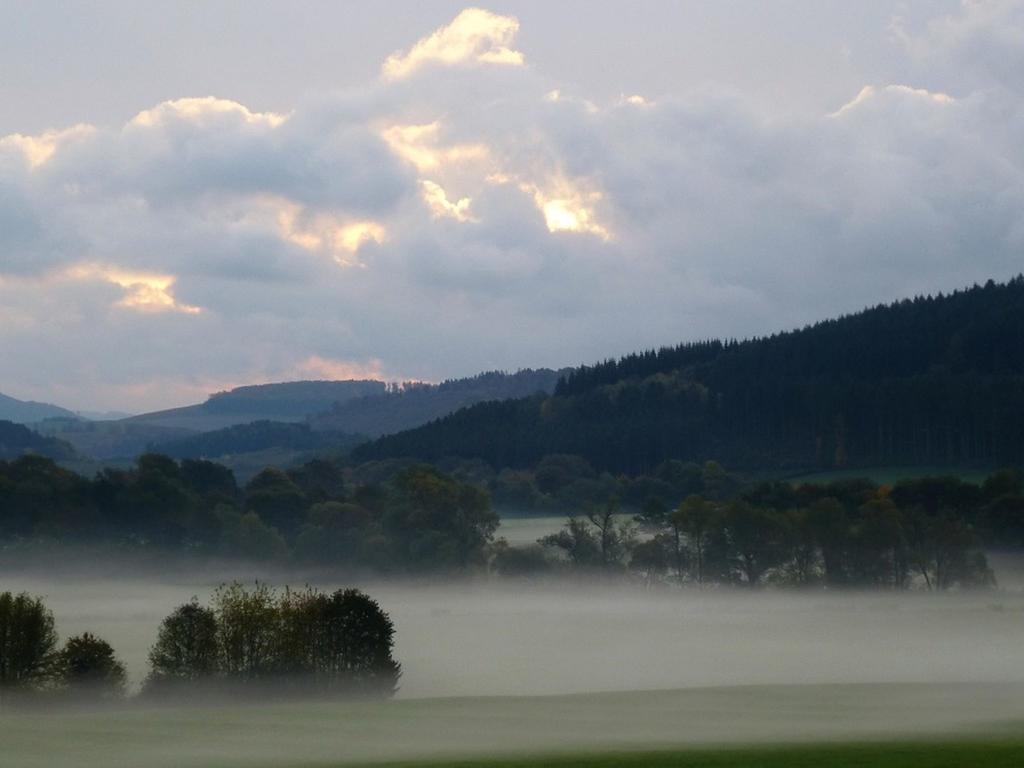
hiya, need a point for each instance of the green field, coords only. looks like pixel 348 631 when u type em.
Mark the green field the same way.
pixel 979 753
pixel 929 724
pixel 994 753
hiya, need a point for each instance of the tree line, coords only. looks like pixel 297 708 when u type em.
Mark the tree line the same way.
pixel 933 381
pixel 406 519
pixel 925 533
pixel 246 640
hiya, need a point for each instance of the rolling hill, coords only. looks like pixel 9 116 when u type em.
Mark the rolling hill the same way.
pixel 336 414
pixel 287 401
pixel 935 381
pixel 28 412
pixel 17 440
pixel 413 404
pixel 290 402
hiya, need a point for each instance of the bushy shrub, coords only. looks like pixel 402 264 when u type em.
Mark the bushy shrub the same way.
pixel 300 641
pixel 28 641
pixel 87 667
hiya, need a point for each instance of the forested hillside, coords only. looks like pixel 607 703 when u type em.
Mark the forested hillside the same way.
pixel 257 436
pixel 286 401
pixel 291 401
pixel 17 440
pixel 934 380
pixel 413 404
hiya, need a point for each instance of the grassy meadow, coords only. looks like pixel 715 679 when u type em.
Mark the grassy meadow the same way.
pixel 978 753
pixel 935 724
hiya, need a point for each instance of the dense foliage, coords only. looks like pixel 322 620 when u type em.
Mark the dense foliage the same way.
pixel 304 640
pixel 930 381
pixel 17 440
pixel 257 436
pixel 299 641
pixel 412 518
pixel 31 662
pixel 86 667
pixel 28 641
pixel 926 533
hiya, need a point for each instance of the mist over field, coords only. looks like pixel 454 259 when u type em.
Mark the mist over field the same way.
pixel 519 667
pixel 525 638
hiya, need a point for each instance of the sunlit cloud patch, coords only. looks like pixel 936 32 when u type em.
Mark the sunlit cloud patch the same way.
pixel 474 36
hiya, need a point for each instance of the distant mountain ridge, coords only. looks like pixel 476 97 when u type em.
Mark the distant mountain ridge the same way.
pixel 413 404
pixel 936 381
pixel 267 415
pixel 289 402
pixel 29 411
pixel 285 401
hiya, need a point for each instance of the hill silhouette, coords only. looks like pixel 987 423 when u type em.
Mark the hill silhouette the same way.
pixel 935 381
pixel 415 403
pixel 29 412
pixel 17 440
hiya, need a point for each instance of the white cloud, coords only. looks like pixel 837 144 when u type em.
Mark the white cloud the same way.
pixel 980 46
pixel 204 109
pixel 419 145
pixel 37 150
pixel 870 93
pixel 143 292
pixel 474 36
pixel 440 206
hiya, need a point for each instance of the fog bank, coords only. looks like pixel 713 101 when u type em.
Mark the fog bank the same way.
pixel 516 638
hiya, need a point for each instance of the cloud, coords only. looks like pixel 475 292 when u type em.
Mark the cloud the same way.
pixel 474 36
pixel 980 46
pixel 203 110
pixel 453 217
pixel 418 145
pixel 36 150
pixel 567 206
pixel 870 93
pixel 316 367
pixel 440 206
pixel 339 238
pixel 143 292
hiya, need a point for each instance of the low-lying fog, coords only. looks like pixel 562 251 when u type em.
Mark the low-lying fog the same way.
pixel 518 638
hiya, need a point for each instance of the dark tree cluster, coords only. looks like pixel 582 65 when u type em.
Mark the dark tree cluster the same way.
pixel 406 518
pixel 32 662
pixel 17 439
pixel 302 641
pixel 936 381
pixel 926 533
pixel 567 483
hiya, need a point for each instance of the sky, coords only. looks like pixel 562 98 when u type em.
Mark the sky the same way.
pixel 195 196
